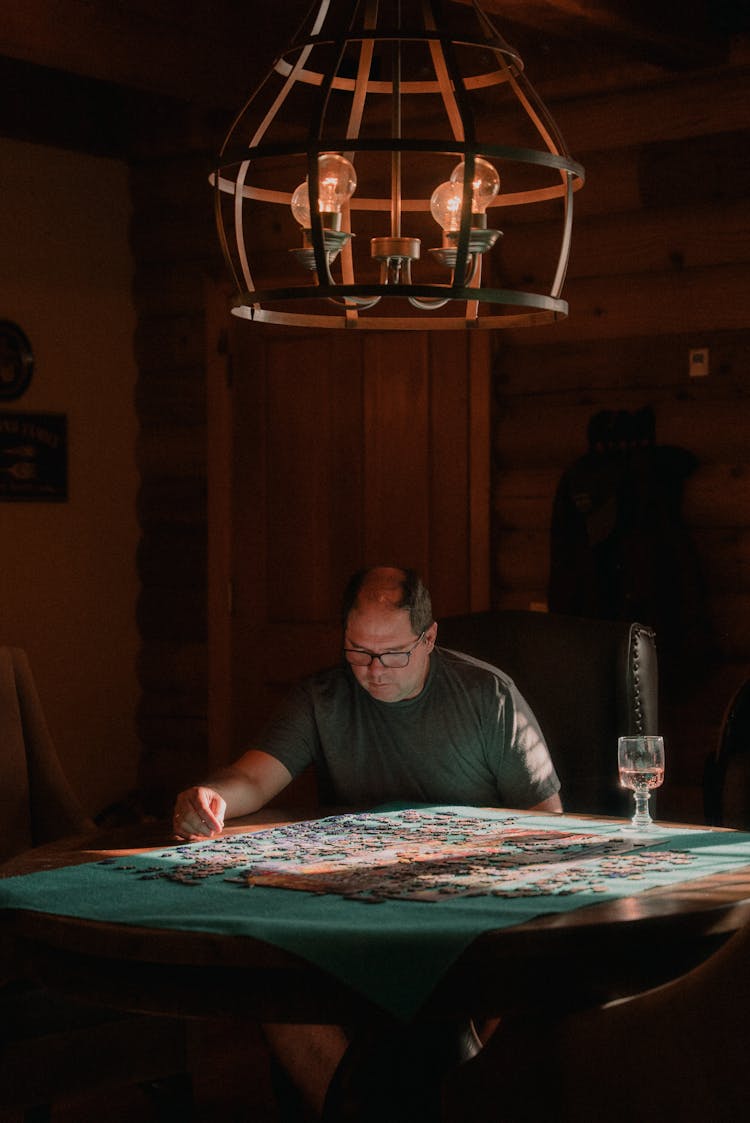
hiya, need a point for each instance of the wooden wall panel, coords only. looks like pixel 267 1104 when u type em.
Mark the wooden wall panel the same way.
pixel 169 342
pixel 522 559
pixel 694 105
pixel 647 304
pixel 522 498
pixel 718 493
pixel 659 265
pixel 725 556
pixel 449 481
pixel 396 449
pixel 632 365
pixel 664 238
pixel 480 486
pixel 314 514
pixel 552 431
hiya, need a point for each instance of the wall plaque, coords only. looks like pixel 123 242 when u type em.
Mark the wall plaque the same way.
pixel 33 456
pixel 16 361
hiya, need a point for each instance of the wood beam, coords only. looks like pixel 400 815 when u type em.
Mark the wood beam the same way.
pixel 209 54
pixel 663 33
pixel 213 55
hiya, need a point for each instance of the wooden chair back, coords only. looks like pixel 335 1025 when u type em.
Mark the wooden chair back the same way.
pixel 38 804
pixel 52 1048
pixel 726 777
pixel 677 1052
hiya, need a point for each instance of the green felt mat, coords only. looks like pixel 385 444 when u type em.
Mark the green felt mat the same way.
pixel 393 951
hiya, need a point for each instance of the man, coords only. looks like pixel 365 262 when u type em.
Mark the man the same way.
pixel 399 719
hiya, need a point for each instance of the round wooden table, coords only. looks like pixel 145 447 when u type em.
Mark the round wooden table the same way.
pixel 568 959
pixel 552 964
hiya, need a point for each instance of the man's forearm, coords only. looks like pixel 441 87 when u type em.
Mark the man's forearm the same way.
pixel 238 789
pixel 240 793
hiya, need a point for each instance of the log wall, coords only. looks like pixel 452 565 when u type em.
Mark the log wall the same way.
pixel 175 248
pixel 660 265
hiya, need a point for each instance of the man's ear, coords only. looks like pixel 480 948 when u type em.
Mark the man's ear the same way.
pixel 430 636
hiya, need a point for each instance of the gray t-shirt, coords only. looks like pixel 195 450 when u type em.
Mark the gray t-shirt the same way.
pixel 468 738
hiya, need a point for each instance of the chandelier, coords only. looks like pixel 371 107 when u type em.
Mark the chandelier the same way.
pixel 376 178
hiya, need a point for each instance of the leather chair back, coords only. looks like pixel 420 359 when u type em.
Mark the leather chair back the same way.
pixel 726 778
pixel 587 681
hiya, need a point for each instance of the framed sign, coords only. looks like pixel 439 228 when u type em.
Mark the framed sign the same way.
pixel 16 361
pixel 33 456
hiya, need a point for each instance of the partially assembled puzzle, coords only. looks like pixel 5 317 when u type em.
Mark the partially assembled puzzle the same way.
pixel 421 855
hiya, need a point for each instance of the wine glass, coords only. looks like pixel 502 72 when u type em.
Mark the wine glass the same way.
pixel 641 763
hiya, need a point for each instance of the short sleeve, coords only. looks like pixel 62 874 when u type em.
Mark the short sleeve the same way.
pixel 291 735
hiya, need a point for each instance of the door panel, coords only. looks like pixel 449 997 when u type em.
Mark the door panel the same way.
pixel 395 443
pixel 313 510
pixel 329 451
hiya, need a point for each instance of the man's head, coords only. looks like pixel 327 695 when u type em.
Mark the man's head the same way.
pixel 387 612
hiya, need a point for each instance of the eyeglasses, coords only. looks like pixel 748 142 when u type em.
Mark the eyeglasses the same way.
pixel 393 659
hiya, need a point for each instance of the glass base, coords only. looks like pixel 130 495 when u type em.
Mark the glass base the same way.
pixel 640 827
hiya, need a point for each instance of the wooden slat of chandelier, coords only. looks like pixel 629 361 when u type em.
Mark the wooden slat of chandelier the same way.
pixel 382 121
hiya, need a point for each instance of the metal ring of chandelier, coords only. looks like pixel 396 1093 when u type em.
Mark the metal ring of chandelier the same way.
pixel 333 113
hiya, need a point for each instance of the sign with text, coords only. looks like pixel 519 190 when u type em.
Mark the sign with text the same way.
pixel 33 456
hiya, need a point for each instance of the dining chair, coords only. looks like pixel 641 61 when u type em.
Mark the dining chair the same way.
pixel 51 1048
pixel 587 681
pixel 677 1052
pixel 38 804
pixel 726 776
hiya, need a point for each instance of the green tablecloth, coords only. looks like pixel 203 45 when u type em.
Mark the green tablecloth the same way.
pixel 394 951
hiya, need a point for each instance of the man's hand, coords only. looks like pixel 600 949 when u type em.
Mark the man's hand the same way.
pixel 198 813
pixel 239 789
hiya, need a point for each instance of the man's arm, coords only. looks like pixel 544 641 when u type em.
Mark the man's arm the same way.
pixel 240 789
pixel 553 803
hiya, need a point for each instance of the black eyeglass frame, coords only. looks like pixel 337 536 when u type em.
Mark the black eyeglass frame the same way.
pixel 347 651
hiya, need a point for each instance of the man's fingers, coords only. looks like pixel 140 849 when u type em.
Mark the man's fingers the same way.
pixel 198 813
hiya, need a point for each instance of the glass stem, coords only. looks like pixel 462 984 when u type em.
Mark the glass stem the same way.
pixel 642 817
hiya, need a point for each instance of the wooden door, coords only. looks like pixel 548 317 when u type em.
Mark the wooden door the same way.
pixel 329 451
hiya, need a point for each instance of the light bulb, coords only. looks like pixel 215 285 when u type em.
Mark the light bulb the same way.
pixel 301 205
pixel 337 181
pixel 485 183
pixel 445 206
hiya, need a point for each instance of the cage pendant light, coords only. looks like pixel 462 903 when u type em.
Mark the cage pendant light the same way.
pixel 383 175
